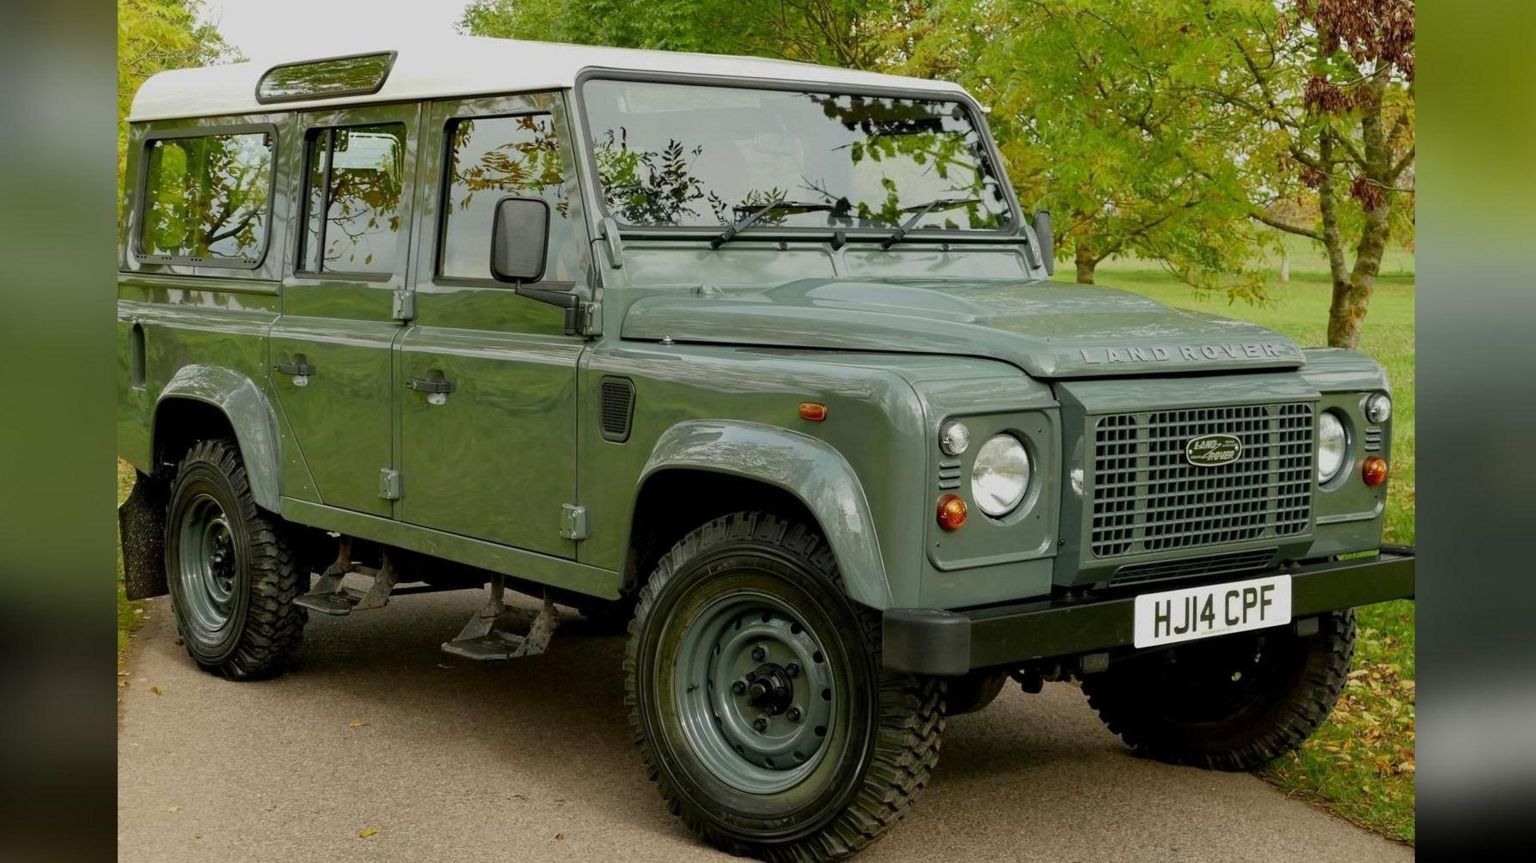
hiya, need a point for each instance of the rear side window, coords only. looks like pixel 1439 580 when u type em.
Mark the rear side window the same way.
pixel 352 200
pixel 208 199
pixel 488 159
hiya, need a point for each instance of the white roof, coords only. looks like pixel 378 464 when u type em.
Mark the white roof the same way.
pixel 472 65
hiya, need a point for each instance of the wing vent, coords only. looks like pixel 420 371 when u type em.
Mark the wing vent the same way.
pixel 618 408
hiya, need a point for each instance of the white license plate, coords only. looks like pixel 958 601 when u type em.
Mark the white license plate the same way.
pixel 1219 609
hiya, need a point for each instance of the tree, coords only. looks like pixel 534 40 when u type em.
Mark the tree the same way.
pixel 1328 84
pixel 153 36
pixel 816 31
pixel 1092 103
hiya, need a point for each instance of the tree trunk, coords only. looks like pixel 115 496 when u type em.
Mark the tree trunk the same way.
pixel 1343 327
pixel 1086 264
pixel 1350 303
pixel 1285 265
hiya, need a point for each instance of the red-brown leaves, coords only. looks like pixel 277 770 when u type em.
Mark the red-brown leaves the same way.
pixel 1372 31
pixel 1322 96
pixel 1369 194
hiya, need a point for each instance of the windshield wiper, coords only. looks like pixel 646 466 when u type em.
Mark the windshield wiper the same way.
pixel 751 218
pixel 921 210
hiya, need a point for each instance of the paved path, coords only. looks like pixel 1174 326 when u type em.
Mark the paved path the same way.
pixel 530 760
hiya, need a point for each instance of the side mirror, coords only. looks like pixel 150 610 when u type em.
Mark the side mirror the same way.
pixel 1045 239
pixel 519 239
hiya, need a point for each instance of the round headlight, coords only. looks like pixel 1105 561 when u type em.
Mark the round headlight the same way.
pixel 1378 408
pixel 954 438
pixel 1332 444
pixel 1000 475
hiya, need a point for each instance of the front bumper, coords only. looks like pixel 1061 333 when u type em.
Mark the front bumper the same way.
pixel 925 641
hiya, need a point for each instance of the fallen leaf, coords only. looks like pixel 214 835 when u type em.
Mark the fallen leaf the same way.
pixel 155 690
pixel 357 723
pixel 559 836
pixel 173 809
pixel 368 832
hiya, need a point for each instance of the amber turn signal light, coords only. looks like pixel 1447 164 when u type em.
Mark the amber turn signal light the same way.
pixel 951 512
pixel 813 411
pixel 1374 470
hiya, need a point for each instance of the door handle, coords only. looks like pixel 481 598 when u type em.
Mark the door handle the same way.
pixel 300 368
pixel 297 367
pixel 436 388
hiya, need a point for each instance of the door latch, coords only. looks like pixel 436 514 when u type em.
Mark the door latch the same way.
pixel 299 368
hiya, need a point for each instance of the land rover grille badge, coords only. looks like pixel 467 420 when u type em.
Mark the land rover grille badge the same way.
pixel 1213 450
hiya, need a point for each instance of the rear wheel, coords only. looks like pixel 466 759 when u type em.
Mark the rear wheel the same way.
pixel 758 700
pixel 1232 703
pixel 230 569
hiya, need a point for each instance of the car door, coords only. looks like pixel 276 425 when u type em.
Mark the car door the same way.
pixel 330 352
pixel 494 458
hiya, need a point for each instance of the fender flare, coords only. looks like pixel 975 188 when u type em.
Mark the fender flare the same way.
pixel 250 416
pixel 811 470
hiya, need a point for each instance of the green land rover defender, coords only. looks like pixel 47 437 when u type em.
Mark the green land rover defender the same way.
pixel 759 360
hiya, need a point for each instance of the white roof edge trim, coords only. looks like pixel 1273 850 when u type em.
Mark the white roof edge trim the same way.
pixel 472 66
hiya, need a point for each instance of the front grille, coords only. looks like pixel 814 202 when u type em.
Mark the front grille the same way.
pixel 1213 564
pixel 1147 497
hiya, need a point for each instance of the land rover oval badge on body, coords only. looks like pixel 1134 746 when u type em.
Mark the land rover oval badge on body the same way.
pixel 1213 450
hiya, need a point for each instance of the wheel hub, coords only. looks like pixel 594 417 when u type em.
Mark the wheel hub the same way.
pixel 209 563
pixel 756 693
pixel 769 689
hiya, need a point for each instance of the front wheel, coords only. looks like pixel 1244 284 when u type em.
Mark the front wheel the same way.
pixel 1230 703
pixel 758 701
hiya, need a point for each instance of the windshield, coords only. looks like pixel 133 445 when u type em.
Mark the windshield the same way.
pixel 706 156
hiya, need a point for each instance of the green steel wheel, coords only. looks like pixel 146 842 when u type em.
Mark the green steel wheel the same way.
pixel 758 701
pixel 230 569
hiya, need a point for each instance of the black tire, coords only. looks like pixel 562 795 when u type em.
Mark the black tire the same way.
pixel 602 617
pixel 973 692
pixel 1231 703
pixel 877 749
pixel 236 616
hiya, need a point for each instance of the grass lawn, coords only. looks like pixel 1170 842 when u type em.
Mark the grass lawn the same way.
pixel 1360 765
pixel 129 614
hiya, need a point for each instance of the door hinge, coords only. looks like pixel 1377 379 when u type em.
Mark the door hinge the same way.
pixel 573 522
pixel 389 484
pixel 403 307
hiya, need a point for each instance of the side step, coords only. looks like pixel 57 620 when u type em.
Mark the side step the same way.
pixel 329 597
pixel 499 631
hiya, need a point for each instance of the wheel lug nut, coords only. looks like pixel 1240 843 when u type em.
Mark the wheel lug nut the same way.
pixel 760 723
pixel 793 714
pixel 759 654
pixel 739 687
pixel 792 669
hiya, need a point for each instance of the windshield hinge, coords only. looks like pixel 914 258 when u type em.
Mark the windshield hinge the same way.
pixel 403 307
pixel 590 321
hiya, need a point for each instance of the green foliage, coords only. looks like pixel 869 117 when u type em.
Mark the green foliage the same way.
pixel 818 31
pixel 1092 102
pixel 153 36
